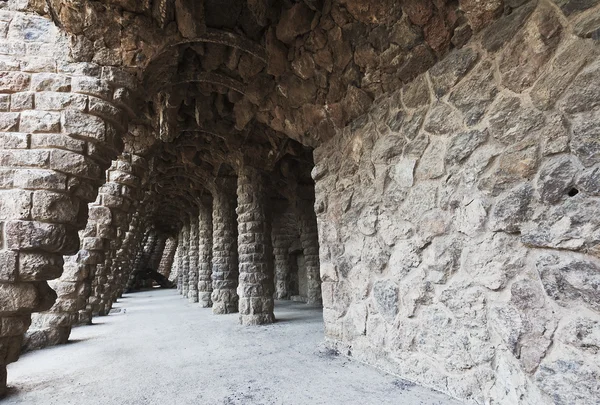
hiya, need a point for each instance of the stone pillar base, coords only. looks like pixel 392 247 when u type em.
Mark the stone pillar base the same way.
pixel 257 319
pixel 224 302
pixel 38 339
pixel 205 300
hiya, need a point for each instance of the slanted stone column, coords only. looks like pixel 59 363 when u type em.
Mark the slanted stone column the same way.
pixel 193 260
pixel 185 261
pixel 205 256
pixel 256 284
pixel 309 236
pixel 60 127
pixel 224 254
pixel 166 265
pixel 126 256
pixel 74 286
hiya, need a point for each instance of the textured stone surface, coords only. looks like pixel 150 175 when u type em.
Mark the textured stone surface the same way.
pixel 456 148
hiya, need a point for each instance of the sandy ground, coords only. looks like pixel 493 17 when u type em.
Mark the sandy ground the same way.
pixel 156 348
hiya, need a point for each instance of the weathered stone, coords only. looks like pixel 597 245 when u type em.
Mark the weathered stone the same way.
pixel 480 15
pixel 475 93
pixel 583 94
pixel 585 141
pixel 512 209
pixel 463 144
pixel 535 44
pixel 556 176
pixel 385 293
pixel 503 29
pixel 442 119
pixel 294 21
pixel 445 74
pixel 510 122
pixel 570 279
pixel 565 67
pixel 573 6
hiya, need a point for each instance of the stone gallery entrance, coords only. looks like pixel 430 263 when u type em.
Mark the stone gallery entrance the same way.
pixel 426 171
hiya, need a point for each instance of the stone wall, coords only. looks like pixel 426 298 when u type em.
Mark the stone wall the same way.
pixel 458 218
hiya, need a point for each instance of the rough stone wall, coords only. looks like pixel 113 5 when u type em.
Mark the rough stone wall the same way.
pixel 458 218
pixel 205 241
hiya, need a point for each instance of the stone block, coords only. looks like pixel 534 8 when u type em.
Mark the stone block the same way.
pixel 91 86
pixel 9 122
pixel 14 204
pixel 82 125
pixel 13 82
pixel 101 215
pixel 21 101
pixel 40 179
pixel 8 63
pixel 50 82
pixel 32 28
pixel 39 64
pixel 50 101
pixel 39 266
pixel 4 102
pixel 17 297
pixel 30 235
pixel 40 121
pixel 14 140
pixel 24 158
pixel 48 206
pixel 105 110
pixel 75 164
pixel 8 266
pixel 60 141
pixel 13 48
pixel 14 325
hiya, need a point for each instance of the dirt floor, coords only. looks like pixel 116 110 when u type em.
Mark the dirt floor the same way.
pixel 156 348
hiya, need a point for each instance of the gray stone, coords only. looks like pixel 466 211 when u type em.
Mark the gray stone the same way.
pixel 570 280
pixel 511 122
pixel 574 6
pixel 589 180
pixel 463 144
pixel 565 67
pixel 503 29
pixel 584 93
pixel 556 176
pixel 475 93
pixel 585 142
pixel 445 74
pixel 385 293
pixel 512 209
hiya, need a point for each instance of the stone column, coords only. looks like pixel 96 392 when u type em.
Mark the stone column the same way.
pixel 60 126
pixel 205 256
pixel 178 262
pixel 185 261
pixel 193 260
pixel 224 254
pixel 256 284
pixel 166 266
pixel 309 236
pixel 73 288
pixel 284 231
